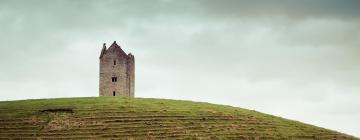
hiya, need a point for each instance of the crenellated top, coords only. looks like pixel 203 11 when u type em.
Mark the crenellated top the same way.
pixel 114 49
pixel 103 50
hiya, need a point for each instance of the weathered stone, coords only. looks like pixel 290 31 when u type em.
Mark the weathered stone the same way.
pixel 117 72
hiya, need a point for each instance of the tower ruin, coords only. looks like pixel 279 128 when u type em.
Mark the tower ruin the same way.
pixel 117 72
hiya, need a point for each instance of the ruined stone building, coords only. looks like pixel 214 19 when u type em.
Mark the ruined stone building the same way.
pixel 117 72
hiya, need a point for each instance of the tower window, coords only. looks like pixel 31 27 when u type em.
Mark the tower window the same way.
pixel 114 62
pixel 114 79
pixel 114 93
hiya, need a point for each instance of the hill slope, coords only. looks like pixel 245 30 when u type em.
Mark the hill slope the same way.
pixel 120 117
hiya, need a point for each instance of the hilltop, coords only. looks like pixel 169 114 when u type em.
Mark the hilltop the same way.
pixel 141 118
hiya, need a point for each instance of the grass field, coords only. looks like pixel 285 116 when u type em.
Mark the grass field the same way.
pixel 141 118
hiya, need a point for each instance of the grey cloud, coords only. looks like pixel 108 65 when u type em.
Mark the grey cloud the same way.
pixel 296 59
pixel 289 8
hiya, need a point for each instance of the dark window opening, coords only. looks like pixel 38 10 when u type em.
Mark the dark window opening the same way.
pixel 114 79
pixel 114 62
pixel 114 93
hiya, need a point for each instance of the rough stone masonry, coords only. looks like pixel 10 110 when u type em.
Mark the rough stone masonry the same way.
pixel 117 72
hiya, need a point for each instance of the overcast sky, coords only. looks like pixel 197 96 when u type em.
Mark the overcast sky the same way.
pixel 295 59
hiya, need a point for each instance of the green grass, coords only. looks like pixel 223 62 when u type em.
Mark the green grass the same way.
pixel 140 118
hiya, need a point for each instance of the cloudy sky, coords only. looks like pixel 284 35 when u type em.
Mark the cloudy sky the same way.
pixel 295 59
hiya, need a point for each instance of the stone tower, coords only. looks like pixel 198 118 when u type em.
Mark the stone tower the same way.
pixel 117 72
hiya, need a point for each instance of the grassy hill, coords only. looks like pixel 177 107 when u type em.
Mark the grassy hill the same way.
pixel 139 118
